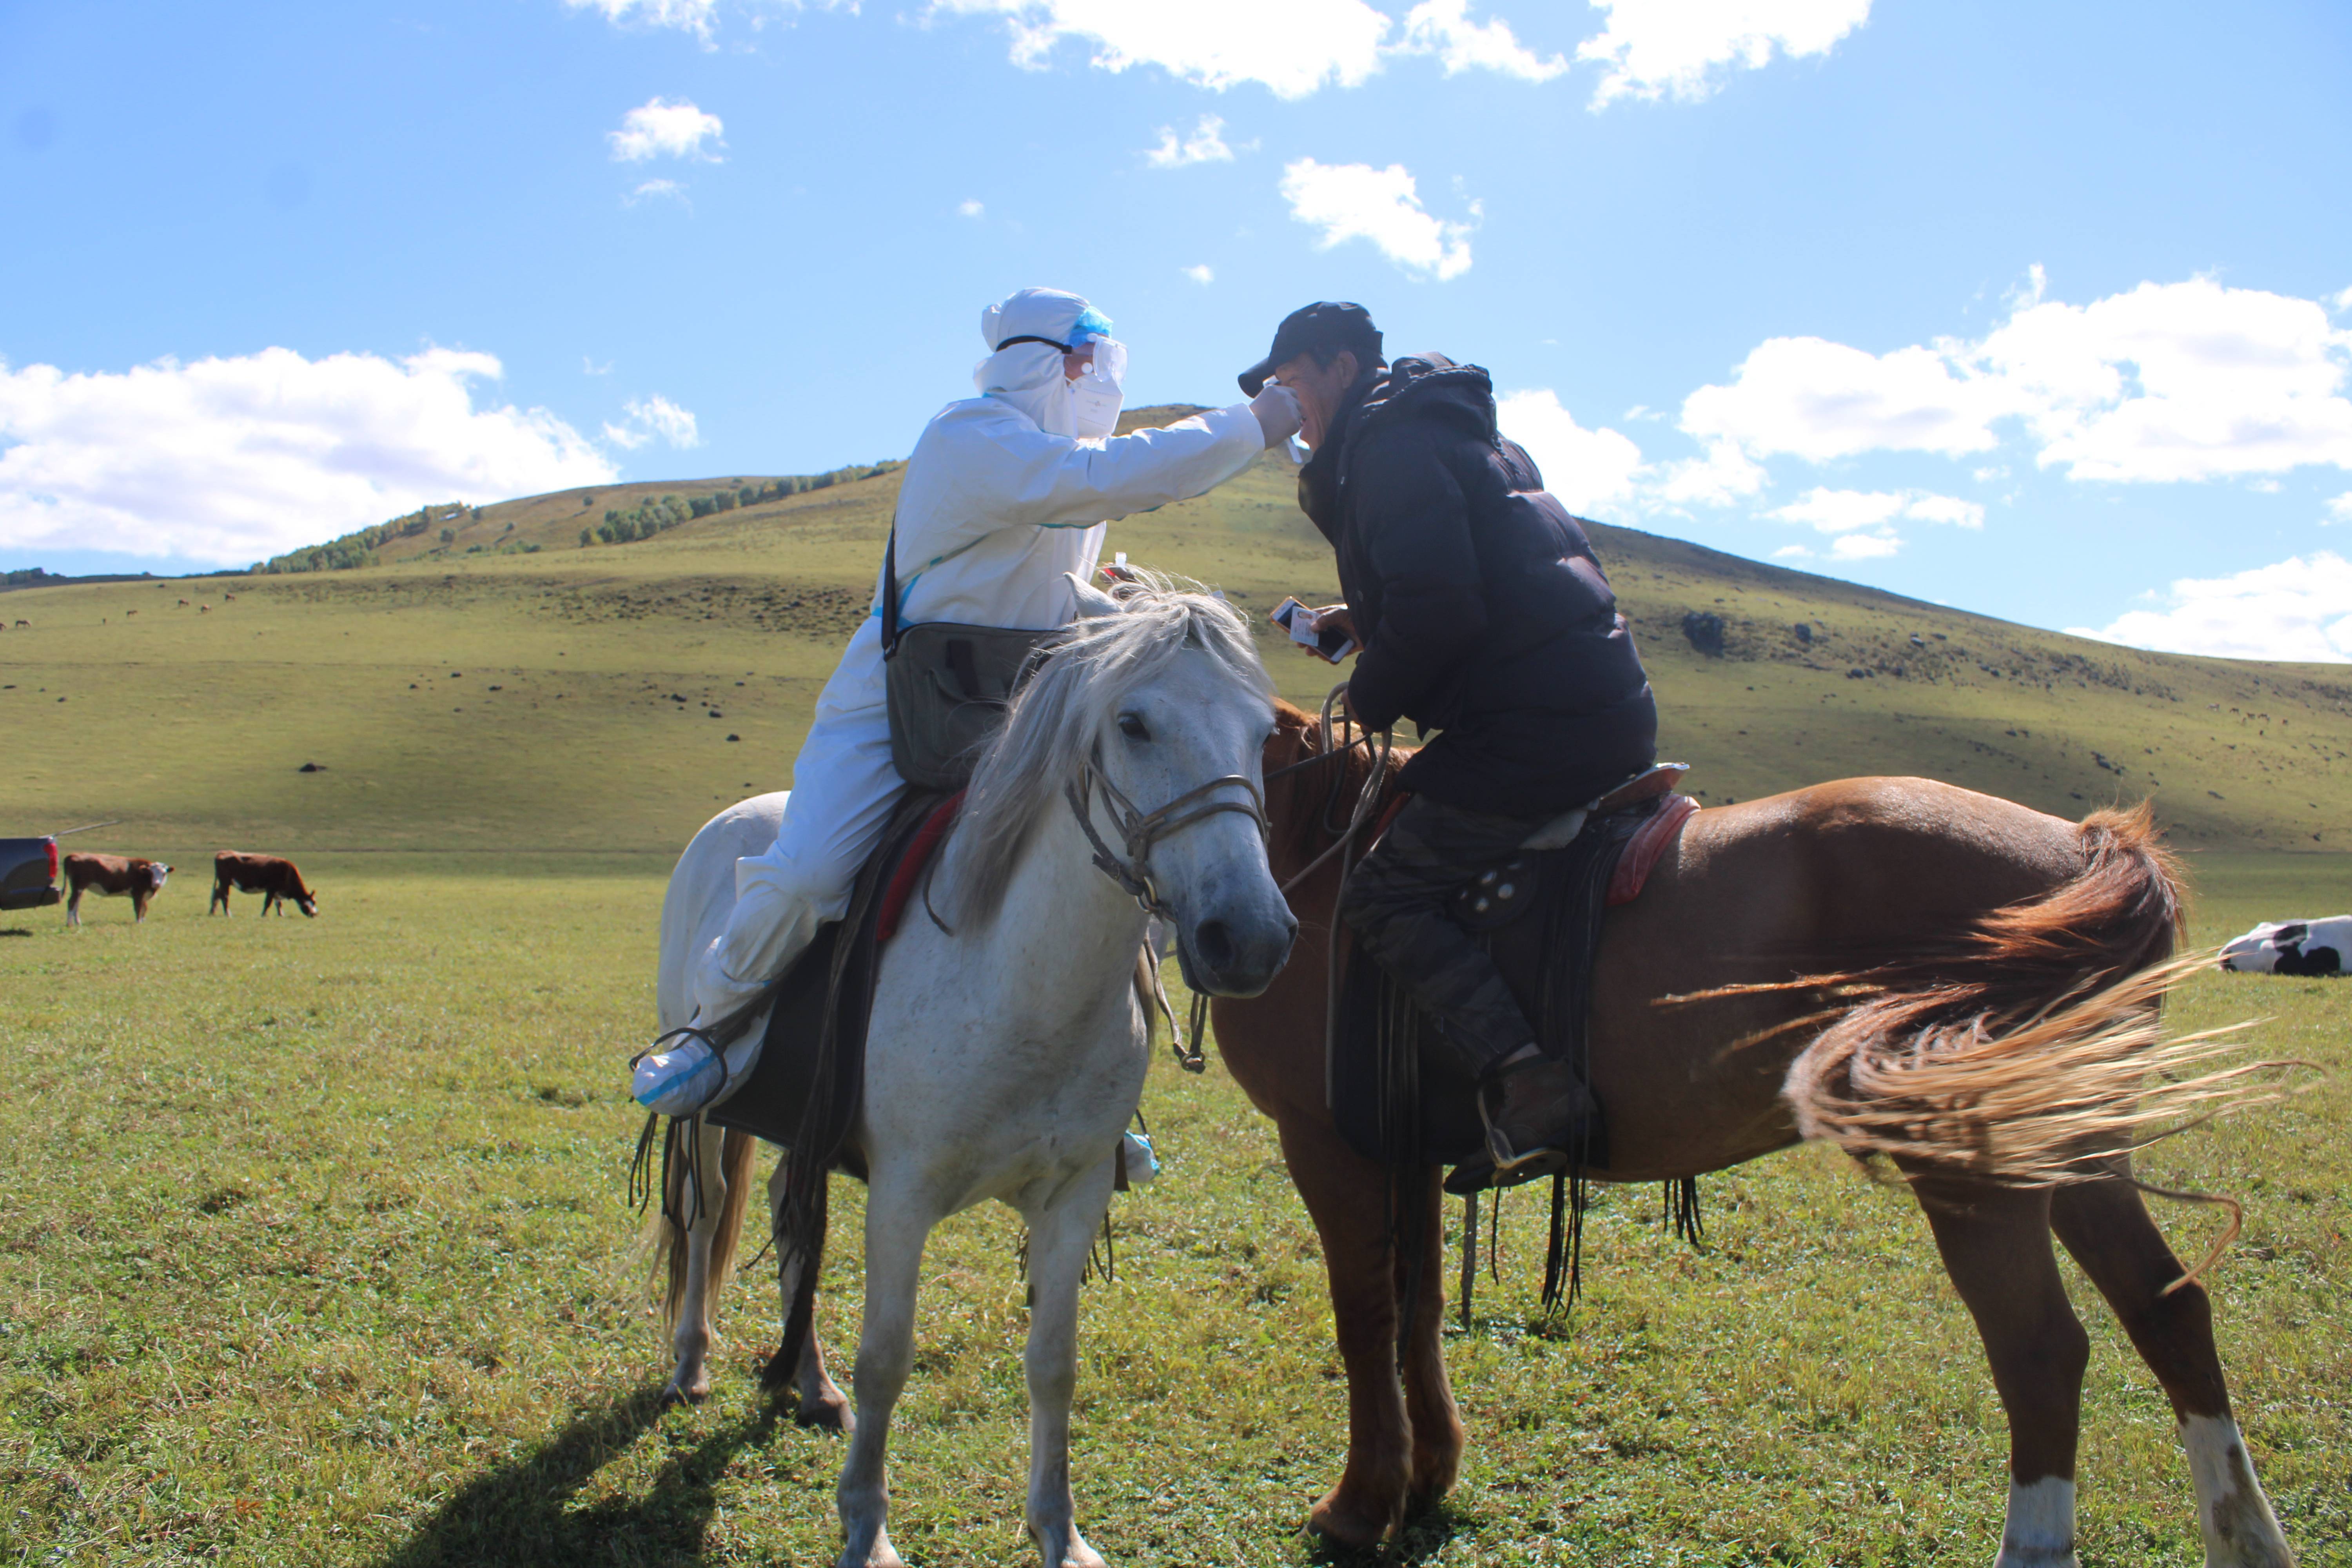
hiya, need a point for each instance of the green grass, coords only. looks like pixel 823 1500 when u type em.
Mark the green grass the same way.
pixel 318 1254
pixel 317 1245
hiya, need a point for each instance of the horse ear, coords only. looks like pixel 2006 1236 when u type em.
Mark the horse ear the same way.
pixel 1092 601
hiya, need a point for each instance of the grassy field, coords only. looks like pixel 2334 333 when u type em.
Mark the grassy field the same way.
pixel 317 1242
pixel 318 1254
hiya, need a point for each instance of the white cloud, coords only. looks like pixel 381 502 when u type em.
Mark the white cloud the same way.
pixel 1356 201
pixel 2166 383
pixel 1653 48
pixel 2341 300
pixel 1205 145
pixel 1292 48
pixel 652 418
pixel 232 459
pixel 1841 511
pixel 1810 398
pixel 1792 553
pixel 2299 609
pixel 1944 509
pixel 2177 380
pixel 687 15
pixel 2340 509
pixel 1443 28
pixel 1589 470
pixel 971 208
pixel 658 128
pixel 1203 274
pixel 1835 511
pixel 699 17
pixel 669 189
pixel 1863 546
pixel 1724 475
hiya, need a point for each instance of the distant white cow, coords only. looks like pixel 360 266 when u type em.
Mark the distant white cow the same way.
pixel 2294 947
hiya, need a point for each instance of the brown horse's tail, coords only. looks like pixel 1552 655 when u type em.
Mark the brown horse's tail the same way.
pixel 2029 1051
pixel 669 1237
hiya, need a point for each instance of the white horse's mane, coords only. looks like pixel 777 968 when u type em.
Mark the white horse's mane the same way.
pixel 1061 711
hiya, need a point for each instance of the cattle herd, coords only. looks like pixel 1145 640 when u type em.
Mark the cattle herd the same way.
pixel 274 877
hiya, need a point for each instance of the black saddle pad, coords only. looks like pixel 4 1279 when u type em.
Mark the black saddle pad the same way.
pixel 1401 1101
pixel 804 1087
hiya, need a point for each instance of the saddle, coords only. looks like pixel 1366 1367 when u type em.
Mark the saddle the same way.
pixel 802 1092
pixel 1541 915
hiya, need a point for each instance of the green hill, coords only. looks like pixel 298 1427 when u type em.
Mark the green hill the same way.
pixel 477 694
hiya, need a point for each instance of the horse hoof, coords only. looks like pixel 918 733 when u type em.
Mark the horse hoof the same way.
pixel 831 1413
pixel 881 1555
pixel 1339 1527
pixel 674 1395
pixel 1075 1553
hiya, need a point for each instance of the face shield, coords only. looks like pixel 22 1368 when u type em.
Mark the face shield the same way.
pixel 1099 392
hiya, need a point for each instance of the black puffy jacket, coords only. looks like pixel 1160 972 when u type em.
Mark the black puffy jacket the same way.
pixel 1483 611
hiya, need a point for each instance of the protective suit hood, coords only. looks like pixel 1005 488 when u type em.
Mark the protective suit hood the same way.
pixel 1028 375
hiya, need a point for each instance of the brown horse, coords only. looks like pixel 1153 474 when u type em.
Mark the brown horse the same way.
pixel 1974 992
pixel 1908 969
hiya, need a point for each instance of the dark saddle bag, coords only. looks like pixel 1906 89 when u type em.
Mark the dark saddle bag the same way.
pixel 1540 915
pixel 947 685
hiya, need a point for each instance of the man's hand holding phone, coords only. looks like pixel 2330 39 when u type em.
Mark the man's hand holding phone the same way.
pixel 1329 632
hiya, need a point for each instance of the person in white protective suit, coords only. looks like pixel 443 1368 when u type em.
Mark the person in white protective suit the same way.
pixel 1004 494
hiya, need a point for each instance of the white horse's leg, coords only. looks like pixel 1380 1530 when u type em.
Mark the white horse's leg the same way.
pixel 2040 1530
pixel 1059 1237
pixel 2239 1530
pixel 689 1381
pixel 897 1225
pixel 822 1404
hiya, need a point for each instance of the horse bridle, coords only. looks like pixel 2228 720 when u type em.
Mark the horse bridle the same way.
pixel 1140 830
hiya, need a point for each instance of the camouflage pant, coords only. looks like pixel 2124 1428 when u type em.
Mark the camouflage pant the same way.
pixel 1395 902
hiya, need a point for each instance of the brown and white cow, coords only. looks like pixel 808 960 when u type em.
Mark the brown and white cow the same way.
pixel 274 877
pixel 116 875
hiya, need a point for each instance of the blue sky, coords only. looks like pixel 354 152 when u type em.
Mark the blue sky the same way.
pixel 2039 310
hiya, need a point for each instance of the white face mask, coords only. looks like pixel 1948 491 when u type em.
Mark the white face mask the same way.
pixel 1096 396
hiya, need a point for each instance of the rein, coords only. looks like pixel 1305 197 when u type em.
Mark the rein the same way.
pixel 1368 798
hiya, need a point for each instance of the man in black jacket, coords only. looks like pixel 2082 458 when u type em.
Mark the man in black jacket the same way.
pixel 1483 615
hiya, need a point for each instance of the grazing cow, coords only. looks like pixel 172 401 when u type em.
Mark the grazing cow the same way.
pixel 116 875
pixel 274 878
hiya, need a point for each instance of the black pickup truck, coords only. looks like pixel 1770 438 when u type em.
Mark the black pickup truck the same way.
pixel 28 873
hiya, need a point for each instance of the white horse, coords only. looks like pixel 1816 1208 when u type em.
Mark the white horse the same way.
pixel 1005 1053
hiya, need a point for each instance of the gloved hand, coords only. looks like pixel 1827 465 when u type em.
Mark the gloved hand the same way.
pixel 1276 407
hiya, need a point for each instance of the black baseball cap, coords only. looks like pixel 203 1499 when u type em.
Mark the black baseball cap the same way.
pixel 1323 328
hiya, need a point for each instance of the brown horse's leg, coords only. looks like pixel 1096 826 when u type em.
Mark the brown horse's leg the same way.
pixel 2106 1226
pixel 1995 1243
pixel 1343 1195
pixel 1428 1396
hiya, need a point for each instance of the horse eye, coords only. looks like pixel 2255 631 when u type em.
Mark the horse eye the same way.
pixel 1132 726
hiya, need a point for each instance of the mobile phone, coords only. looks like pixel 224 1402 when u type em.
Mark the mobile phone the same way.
pixel 1327 643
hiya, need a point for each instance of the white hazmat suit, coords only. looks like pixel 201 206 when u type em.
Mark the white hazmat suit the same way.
pixel 1001 498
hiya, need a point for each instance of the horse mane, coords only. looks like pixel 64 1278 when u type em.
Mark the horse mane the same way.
pixel 1059 713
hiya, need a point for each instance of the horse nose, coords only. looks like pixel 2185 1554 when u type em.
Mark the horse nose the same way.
pixel 1242 961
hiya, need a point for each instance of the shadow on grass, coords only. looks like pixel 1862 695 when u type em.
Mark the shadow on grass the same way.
pixel 15 930
pixel 525 1513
